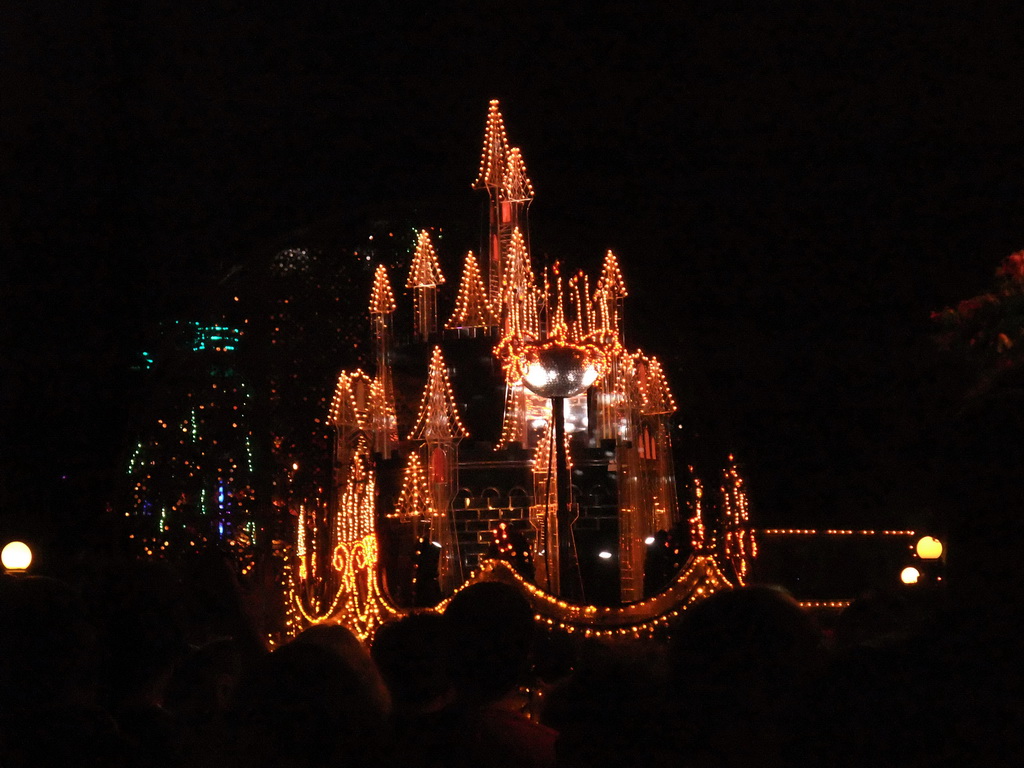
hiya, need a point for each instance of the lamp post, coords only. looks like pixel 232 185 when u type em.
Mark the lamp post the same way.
pixel 557 371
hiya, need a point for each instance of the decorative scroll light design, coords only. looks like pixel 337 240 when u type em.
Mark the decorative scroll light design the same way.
pixel 356 600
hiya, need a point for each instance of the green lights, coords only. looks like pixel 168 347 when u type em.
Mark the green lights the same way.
pixel 216 338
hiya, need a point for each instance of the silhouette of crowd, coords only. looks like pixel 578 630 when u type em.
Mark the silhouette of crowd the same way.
pixel 140 666
pixel 745 677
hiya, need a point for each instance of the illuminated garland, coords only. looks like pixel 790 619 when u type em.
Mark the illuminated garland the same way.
pixel 830 532
pixel 472 309
pixel 438 417
pixel 699 579
pixel 300 544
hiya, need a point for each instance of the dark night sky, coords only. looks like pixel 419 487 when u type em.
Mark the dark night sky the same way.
pixel 790 191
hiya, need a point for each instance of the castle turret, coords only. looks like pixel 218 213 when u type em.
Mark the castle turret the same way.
pixel 439 426
pixel 382 307
pixel 472 309
pixel 424 277
pixel 509 192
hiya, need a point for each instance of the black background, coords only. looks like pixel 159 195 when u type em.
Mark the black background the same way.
pixel 791 189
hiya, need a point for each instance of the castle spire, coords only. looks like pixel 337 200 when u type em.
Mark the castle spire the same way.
pixel 517 290
pixel 611 290
pixel 611 281
pixel 440 428
pixel 424 277
pixel 495 151
pixel 382 306
pixel 438 417
pixel 472 309
pixel 509 192
pixel 382 299
pixel 515 184
pixel 415 500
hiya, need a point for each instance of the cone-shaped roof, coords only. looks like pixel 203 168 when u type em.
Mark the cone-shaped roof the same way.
pixel 382 300
pixel 425 272
pixel 349 407
pixel 438 417
pixel 493 157
pixel 515 184
pixel 518 272
pixel 414 499
pixel 611 283
pixel 472 309
pixel 656 397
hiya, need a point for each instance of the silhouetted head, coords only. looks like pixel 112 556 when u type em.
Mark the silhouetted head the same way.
pixel 304 705
pixel 339 639
pixel 412 657
pixel 743 644
pixel 490 631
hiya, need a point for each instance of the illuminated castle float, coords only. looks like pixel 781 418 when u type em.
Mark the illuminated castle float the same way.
pixel 448 465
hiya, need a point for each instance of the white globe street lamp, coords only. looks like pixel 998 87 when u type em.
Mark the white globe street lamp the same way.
pixel 16 557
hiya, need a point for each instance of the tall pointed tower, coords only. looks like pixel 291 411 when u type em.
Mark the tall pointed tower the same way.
pixel 439 427
pixel 424 277
pixel 472 310
pixel 382 307
pixel 509 192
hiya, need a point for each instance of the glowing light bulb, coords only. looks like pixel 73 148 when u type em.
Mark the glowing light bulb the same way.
pixel 536 376
pixel 604 554
pixel 929 548
pixel 16 556
pixel 910 575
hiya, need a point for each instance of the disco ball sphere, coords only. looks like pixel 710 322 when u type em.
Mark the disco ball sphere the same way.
pixel 558 372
